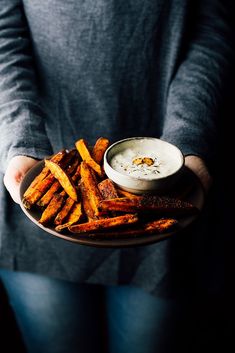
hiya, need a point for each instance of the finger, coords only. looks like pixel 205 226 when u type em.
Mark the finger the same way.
pixel 12 184
pixel 198 166
pixel 16 170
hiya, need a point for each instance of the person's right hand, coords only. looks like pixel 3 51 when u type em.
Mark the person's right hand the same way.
pixel 16 169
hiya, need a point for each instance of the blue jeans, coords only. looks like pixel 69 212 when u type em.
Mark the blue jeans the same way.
pixel 61 317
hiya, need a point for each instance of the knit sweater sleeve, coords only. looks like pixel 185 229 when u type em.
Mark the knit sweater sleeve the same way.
pixel 197 90
pixel 21 116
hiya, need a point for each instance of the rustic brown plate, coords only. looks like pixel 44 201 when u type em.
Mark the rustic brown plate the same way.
pixel 188 188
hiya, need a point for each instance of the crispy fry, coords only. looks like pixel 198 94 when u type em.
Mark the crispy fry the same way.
pixel 74 217
pixel 107 189
pixel 128 194
pixel 104 223
pixel 75 178
pixel 52 209
pixel 33 194
pixel 148 203
pixel 154 227
pixel 38 191
pixel 82 148
pixel 77 174
pixel 46 198
pixel 76 213
pixel 99 149
pixel 88 209
pixel 42 175
pixel 93 193
pixel 160 225
pixel 63 179
pixel 61 216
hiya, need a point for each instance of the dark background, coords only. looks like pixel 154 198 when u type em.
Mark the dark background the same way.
pixel 216 328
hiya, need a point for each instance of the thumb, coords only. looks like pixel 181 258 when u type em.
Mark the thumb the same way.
pixel 198 166
pixel 16 170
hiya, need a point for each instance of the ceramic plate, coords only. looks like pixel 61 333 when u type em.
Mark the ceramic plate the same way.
pixel 188 188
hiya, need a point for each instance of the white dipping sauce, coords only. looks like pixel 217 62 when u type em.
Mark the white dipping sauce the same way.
pixel 162 163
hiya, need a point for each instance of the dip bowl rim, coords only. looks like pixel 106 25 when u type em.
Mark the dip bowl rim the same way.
pixel 138 184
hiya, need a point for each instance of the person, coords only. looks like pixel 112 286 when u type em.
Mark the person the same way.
pixel 83 69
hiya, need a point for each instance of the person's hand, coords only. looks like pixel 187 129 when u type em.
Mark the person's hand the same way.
pixel 16 169
pixel 198 166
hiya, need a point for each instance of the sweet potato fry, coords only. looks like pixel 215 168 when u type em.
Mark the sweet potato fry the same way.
pixel 90 186
pixel 128 194
pixel 75 177
pixel 87 207
pixel 154 227
pixel 37 192
pixel 104 223
pixel 160 225
pixel 107 189
pixel 52 209
pixel 33 194
pixel 61 216
pixel 148 203
pixel 83 150
pixel 46 198
pixel 42 175
pixel 76 213
pixel 77 174
pixel 63 179
pixel 74 217
pixel 99 149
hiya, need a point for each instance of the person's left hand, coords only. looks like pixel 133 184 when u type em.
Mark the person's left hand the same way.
pixel 16 170
pixel 198 166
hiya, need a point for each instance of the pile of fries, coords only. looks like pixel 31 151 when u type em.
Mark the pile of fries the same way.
pixel 73 193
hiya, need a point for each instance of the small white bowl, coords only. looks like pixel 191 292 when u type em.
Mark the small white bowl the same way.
pixel 167 164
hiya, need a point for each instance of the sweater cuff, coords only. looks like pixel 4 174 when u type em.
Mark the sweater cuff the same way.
pixel 23 133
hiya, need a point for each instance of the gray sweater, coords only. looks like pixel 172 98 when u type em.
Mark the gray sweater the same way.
pixel 114 68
